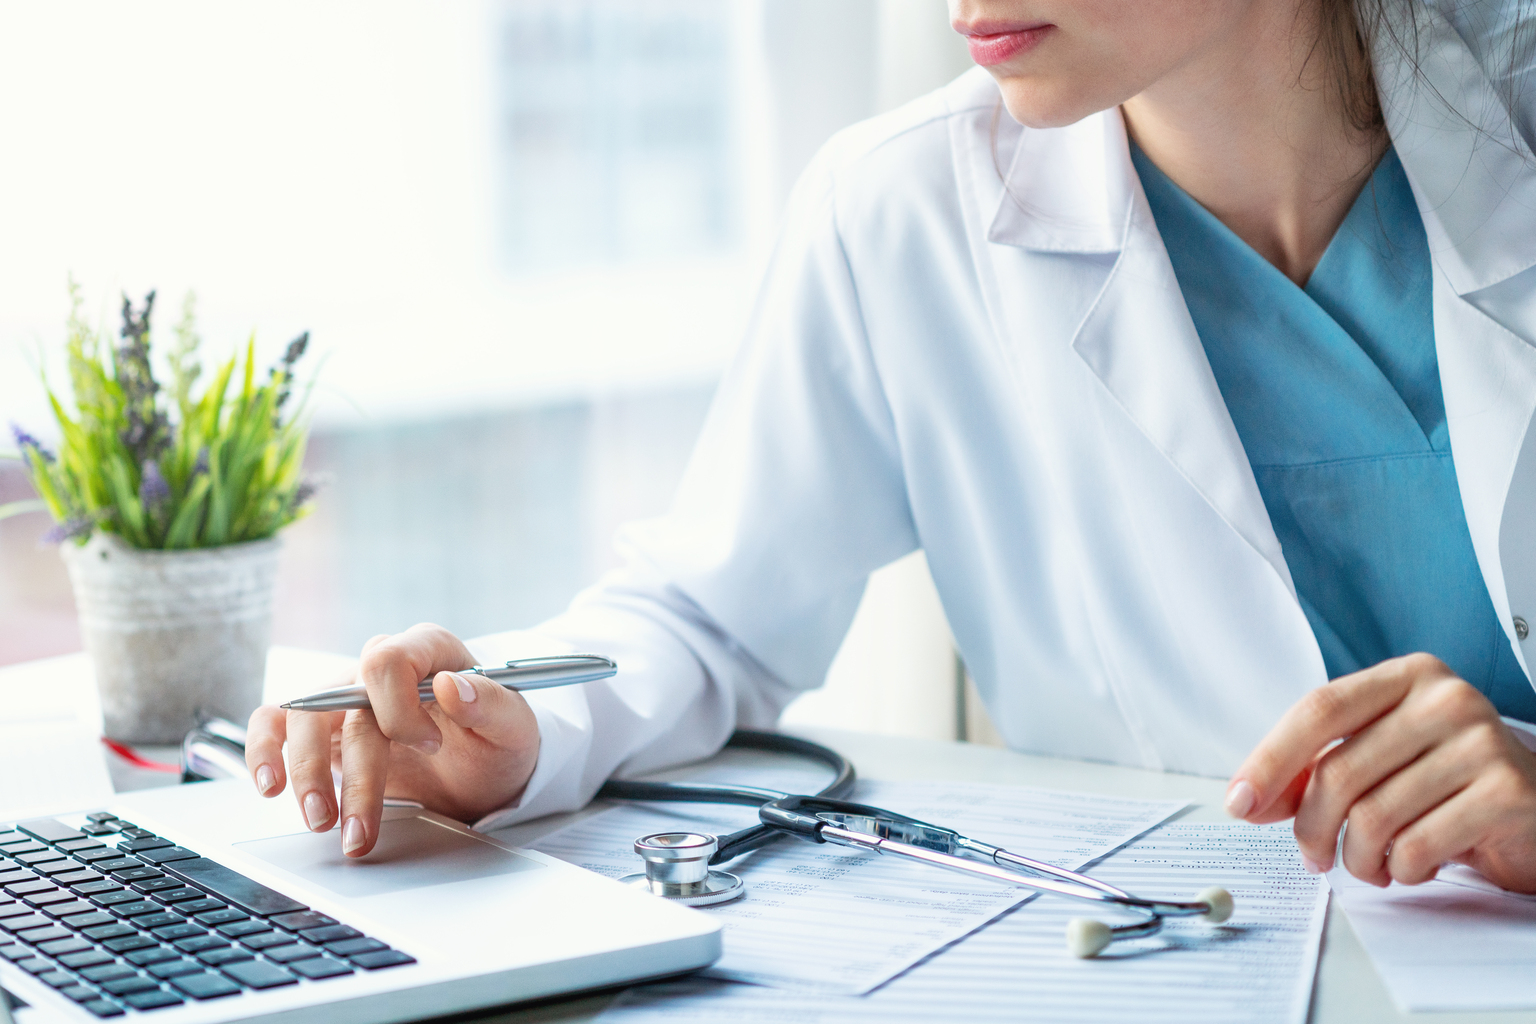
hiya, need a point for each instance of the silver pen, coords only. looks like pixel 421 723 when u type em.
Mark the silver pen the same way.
pixel 526 674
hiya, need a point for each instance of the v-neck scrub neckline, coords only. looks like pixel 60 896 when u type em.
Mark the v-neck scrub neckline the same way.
pixel 1334 389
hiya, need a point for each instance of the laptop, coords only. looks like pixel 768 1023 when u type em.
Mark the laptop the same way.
pixel 206 903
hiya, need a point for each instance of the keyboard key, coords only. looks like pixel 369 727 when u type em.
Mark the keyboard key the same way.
pixel 179 894
pixel 15 951
pixel 124 865
pixel 58 947
pixel 97 817
pixel 176 931
pixel 205 986
pixel 264 940
pixel 111 899
pixel 136 908
pixel 320 967
pixel 202 906
pixel 122 986
pixel 36 935
pixel 109 931
pixel 156 884
pixel 70 909
pixel 15 908
pixel 330 933
pixel 103 1008
pixel 171 968
pixel 90 920
pixel 239 928
pixel 250 896
pixel 74 878
pixel 129 942
pixel 107 972
pixel 106 828
pixel 224 916
pixel 94 857
pixel 198 943
pixel 57 979
pixel 218 957
pixel 29 887
pixel 45 899
pixel 167 855
pixel 85 958
pixel 96 888
pixel 147 843
pixel 151 922
pixel 288 954
pixel 150 955
pixel 351 947
pixel 37 965
pixel 22 923
pixel 48 830
pixel 79 993
pixel 133 831
pixel 307 919
pixel 83 843
pixel 47 853
pixel 153 1000
pixel 257 974
pixel 11 876
pixel 382 958
pixel 22 845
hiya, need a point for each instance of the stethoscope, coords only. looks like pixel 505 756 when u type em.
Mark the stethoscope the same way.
pixel 678 865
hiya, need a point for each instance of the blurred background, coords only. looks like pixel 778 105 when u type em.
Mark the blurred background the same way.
pixel 524 236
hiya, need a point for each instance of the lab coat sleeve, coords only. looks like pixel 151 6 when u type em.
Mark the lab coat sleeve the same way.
pixel 737 599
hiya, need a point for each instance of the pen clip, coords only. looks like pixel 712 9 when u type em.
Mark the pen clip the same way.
pixel 558 660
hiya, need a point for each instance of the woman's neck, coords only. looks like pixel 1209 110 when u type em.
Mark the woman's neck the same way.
pixel 1253 128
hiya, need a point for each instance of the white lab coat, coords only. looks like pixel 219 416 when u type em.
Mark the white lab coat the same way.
pixel 970 340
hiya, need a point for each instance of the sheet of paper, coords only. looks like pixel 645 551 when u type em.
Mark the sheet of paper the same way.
pixel 1456 943
pixel 1256 969
pixel 830 919
pixel 51 757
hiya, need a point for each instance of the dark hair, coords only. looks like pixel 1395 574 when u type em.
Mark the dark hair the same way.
pixel 1346 31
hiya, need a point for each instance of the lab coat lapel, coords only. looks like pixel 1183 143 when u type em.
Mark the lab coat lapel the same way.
pixel 1473 177
pixel 1137 338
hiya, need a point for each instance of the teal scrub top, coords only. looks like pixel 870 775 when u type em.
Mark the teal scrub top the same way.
pixel 1335 392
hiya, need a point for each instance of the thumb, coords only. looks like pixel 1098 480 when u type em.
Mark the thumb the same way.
pixel 496 714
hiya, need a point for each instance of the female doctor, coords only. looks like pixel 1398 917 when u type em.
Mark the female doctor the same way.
pixel 1193 342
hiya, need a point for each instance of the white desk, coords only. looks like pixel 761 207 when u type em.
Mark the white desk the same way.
pixel 1348 990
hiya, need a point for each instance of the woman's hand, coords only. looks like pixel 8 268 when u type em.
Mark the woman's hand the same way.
pixel 467 754
pixel 1426 773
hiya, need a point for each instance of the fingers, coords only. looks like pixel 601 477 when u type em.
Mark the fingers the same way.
pixel 392 667
pixel 1449 832
pixel 1326 714
pixel 365 771
pixel 309 762
pixel 497 715
pixel 1376 820
pixel 265 735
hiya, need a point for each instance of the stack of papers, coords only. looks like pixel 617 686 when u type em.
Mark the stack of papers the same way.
pixel 827 919
pixel 1256 969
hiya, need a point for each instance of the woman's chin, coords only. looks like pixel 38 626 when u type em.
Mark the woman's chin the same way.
pixel 1036 104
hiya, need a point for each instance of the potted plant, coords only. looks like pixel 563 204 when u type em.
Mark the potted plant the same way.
pixel 166 504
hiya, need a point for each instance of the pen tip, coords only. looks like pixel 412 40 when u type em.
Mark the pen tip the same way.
pixel 289 705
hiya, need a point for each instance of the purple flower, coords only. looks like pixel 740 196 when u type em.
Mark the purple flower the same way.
pixel 79 526
pixel 153 490
pixel 200 467
pixel 306 491
pixel 26 441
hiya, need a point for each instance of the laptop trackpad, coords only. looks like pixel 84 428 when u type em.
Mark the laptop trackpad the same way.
pixel 411 853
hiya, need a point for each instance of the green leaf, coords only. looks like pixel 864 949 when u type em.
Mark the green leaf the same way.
pixel 17 508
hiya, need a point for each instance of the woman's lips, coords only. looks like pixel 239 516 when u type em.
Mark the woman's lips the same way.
pixel 997 47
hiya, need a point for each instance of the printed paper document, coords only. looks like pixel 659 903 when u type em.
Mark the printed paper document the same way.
pixel 1256 969
pixel 830 919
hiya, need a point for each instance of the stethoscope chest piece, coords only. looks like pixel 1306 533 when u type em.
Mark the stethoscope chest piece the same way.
pixel 677 868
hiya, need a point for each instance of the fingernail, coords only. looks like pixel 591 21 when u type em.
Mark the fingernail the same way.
pixel 466 691
pixel 265 779
pixel 1312 867
pixel 352 835
pixel 1240 798
pixel 428 747
pixel 315 812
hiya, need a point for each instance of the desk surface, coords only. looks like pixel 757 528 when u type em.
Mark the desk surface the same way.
pixel 1348 989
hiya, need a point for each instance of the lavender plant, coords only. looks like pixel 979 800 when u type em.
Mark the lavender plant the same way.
pixel 160 467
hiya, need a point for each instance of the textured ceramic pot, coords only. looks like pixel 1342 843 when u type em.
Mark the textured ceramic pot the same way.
pixel 173 633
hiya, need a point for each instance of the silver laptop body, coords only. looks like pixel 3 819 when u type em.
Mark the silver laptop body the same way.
pixel 472 922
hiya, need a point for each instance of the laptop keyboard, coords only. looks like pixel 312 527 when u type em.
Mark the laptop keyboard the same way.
pixel 119 919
